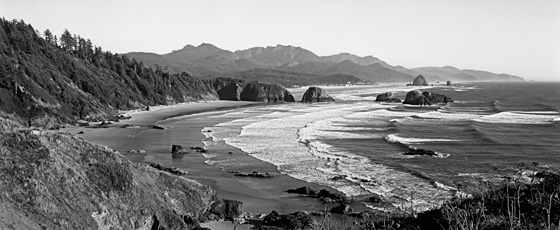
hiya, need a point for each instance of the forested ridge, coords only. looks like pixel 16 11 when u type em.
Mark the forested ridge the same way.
pixel 46 80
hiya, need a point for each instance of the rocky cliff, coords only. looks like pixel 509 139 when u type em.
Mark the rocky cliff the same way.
pixel 54 180
pixel 316 94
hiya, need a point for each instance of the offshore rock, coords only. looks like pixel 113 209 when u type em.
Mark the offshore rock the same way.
pixel 387 97
pixel 415 97
pixel 58 181
pixel 436 98
pixel 256 91
pixel 178 152
pixel 316 94
pixel 420 81
pixel 448 83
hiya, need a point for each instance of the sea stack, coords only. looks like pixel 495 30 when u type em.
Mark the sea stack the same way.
pixel 316 94
pixel 448 83
pixel 256 91
pixel 420 81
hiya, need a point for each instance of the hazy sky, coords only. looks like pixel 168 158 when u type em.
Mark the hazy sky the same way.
pixel 502 36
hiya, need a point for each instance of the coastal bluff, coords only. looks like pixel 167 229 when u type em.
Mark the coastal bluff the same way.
pixel 54 180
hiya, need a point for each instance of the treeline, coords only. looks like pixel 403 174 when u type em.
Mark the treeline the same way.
pixel 67 78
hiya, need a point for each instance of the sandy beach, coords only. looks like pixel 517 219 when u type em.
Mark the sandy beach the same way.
pixel 182 125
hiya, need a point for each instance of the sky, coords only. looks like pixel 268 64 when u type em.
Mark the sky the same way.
pixel 518 37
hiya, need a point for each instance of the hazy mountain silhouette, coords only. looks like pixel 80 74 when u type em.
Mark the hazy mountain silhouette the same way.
pixel 207 60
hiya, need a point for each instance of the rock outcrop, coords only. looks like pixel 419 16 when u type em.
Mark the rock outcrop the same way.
pixel 420 81
pixel 436 97
pixel 178 152
pixel 387 97
pixel 55 180
pixel 316 94
pixel 342 209
pixel 296 220
pixel 230 92
pixel 336 197
pixel 420 152
pixel 256 91
pixel 303 190
pixel 416 97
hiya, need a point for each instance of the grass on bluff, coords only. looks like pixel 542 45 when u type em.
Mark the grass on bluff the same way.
pixel 528 200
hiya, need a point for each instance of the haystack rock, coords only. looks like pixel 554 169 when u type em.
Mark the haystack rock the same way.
pixel 316 94
pixel 387 97
pixel 256 91
pixel 420 81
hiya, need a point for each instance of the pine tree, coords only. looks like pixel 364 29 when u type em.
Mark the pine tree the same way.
pixel 48 36
pixel 67 42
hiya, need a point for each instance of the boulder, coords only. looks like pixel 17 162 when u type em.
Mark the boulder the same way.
pixel 341 209
pixel 256 91
pixel 303 190
pixel 230 92
pixel 436 97
pixel 296 220
pixel 387 97
pixel 177 151
pixel 420 152
pixel 336 197
pixel 316 94
pixel 224 209
pixel 420 81
pixel 415 97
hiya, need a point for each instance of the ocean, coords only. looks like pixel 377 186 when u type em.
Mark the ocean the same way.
pixel 356 145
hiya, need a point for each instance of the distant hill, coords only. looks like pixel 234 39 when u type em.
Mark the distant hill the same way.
pixel 209 61
pixel 454 74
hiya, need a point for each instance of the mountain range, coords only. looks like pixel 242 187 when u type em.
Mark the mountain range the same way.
pixel 209 61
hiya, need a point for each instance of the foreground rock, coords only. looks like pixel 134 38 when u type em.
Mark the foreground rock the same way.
pixel 296 220
pixel 58 181
pixel 416 97
pixel 333 196
pixel 316 94
pixel 387 97
pixel 256 91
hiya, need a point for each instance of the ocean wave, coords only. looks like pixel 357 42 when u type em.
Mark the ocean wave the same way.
pixel 520 117
pixel 393 138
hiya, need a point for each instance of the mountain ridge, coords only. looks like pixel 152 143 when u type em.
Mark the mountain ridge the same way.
pixel 207 60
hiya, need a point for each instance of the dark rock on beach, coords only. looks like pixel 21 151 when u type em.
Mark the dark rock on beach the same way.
pixel 296 220
pixel 177 151
pixel 342 209
pixel 316 94
pixel 387 97
pixel 420 152
pixel 254 174
pixel 172 170
pixel 303 190
pixel 336 197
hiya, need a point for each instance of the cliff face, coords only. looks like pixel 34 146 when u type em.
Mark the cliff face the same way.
pixel 58 181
